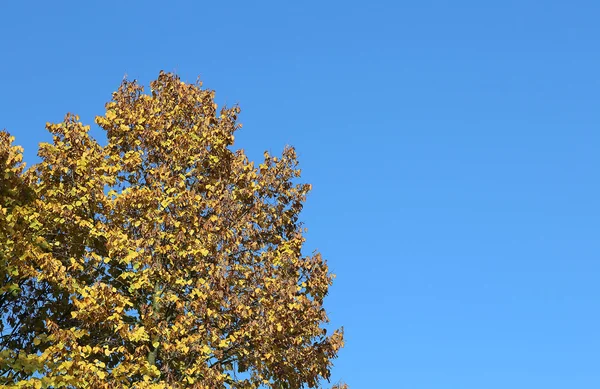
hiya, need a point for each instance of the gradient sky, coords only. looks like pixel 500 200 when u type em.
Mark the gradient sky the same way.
pixel 452 146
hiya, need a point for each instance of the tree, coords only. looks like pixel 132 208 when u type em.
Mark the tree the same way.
pixel 163 259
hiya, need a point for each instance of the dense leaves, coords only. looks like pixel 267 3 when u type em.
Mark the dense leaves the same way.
pixel 163 259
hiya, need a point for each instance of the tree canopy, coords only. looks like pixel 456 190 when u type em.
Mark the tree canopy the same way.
pixel 162 259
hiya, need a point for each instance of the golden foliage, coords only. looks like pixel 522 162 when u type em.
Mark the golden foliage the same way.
pixel 161 260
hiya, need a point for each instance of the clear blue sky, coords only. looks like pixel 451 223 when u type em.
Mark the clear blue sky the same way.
pixel 453 147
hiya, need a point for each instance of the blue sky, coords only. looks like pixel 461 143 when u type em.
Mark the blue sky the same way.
pixel 452 146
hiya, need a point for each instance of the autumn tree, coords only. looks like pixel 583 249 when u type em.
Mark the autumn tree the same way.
pixel 164 259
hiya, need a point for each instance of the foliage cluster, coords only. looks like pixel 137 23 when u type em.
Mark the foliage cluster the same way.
pixel 163 259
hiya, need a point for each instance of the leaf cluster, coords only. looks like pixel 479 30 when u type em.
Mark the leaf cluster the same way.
pixel 163 259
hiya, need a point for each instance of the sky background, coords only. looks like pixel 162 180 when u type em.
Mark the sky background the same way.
pixel 452 147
